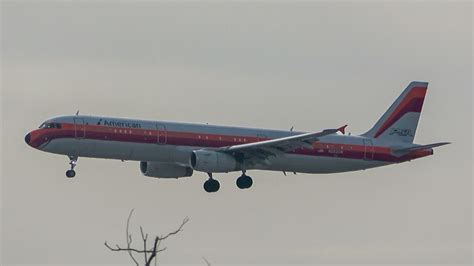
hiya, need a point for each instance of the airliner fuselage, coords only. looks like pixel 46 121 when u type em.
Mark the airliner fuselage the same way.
pixel 173 150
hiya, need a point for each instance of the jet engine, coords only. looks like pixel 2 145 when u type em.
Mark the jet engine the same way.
pixel 213 162
pixel 164 170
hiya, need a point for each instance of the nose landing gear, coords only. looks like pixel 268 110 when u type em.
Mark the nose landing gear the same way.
pixel 72 162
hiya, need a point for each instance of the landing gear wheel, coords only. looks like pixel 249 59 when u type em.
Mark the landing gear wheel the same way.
pixel 244 182
pixel 211 185
pixel 72 162
pixel 70 173
pixel 208 186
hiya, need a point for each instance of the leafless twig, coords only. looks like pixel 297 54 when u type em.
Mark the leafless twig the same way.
pixel 149 254
pixel 206 261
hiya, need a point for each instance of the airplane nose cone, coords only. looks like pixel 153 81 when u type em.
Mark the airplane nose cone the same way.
pixel 28 138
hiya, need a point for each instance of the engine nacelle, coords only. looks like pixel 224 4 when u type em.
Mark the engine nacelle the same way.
pixel 165 170
pixel 213 162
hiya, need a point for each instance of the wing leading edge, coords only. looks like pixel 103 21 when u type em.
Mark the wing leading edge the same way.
pixel 281 145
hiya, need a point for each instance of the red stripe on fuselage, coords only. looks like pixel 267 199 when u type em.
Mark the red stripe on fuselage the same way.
pixel 145 136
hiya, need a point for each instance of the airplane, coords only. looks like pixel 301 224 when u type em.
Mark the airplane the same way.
pixel 176 150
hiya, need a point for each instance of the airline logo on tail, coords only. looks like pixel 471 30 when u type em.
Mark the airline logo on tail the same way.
pixel 413 102
pixel 402 132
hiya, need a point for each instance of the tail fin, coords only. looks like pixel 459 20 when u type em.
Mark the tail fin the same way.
pixel 399 122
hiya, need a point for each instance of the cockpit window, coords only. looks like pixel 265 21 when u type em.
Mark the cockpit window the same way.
pixel 50 125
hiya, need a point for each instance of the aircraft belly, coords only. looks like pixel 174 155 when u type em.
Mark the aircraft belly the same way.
pixel 317 164
pixel 120 150
pixel 181 154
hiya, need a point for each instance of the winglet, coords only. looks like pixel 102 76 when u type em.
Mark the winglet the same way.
pixel 342 129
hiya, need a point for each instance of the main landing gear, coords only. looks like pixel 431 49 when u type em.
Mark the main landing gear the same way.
pixel 211 185
pixel 72 162
pixel 243 182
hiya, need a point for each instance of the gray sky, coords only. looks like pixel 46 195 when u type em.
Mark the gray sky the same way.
pixel 308 65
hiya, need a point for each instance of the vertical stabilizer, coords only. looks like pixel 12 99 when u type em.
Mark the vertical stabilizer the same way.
pixel 399 122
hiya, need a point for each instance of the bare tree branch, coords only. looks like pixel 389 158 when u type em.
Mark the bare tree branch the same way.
pixel 206 261
pixel 180 228
pixel 129 237
pixel 153 254
pixel 145 251
pixel 144 238
pixel 118 248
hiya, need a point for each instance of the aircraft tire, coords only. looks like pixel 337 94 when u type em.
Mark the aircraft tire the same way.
pixel 211 185
pixel 244 182
pixel 70 173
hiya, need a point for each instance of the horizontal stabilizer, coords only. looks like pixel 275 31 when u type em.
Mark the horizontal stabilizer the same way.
pixel 418 148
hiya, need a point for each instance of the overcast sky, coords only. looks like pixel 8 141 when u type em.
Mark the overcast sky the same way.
pixel 307 65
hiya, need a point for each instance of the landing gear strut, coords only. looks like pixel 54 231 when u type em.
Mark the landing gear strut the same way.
pixel 211 185
pixel 244 181
pixel 72 162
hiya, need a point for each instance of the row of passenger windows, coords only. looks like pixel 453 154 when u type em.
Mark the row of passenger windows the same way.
pixel 125 131
pixel 220 138
pixel 150 133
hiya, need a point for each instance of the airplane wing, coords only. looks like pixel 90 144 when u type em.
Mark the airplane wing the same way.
pixel 401 151
pixel 273 147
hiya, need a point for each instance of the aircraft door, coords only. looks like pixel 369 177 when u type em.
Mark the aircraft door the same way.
pixel 161 134
pixel 79 128
pixel 368 149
